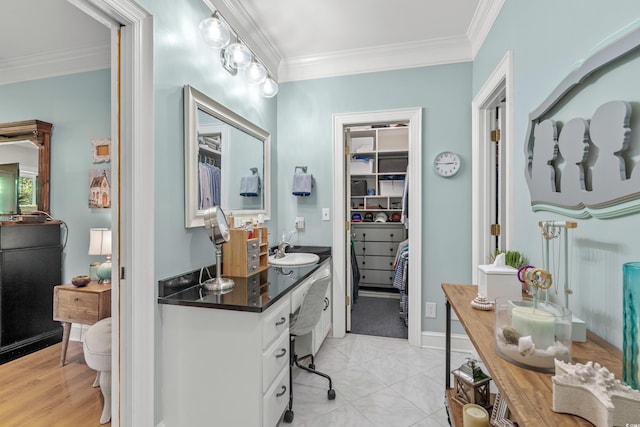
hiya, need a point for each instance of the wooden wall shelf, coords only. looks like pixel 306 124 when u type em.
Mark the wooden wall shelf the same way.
pixel 528 393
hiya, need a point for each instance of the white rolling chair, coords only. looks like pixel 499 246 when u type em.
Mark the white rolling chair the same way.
pixel 97 354
pixel 301 323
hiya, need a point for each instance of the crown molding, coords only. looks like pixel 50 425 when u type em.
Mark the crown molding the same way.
pixel 55 63
pixel 485 15
pixel 380 58
pixel 249 32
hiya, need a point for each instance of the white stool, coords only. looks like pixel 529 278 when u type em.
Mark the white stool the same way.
pixel 97 354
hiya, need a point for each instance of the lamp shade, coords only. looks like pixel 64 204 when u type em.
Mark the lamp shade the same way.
pixel 256 73
pixel 99 241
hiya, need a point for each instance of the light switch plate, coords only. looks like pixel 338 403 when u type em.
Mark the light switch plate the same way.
pixel 325 214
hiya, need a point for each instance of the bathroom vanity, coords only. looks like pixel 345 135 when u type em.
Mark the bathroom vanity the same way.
pixel 226 355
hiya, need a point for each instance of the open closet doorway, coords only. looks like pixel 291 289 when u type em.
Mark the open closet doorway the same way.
pixel 492 158
pixel 380 154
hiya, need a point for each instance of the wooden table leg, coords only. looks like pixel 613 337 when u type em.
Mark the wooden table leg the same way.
pixel 66 330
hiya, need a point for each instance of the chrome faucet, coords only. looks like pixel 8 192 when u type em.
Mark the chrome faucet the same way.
pixel 282 247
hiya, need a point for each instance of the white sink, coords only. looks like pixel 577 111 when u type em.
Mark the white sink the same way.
pixel 296 259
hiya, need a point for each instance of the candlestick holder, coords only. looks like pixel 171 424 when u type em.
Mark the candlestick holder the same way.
pixel 532 334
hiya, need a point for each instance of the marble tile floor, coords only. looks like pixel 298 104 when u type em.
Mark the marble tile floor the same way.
pixel 379 382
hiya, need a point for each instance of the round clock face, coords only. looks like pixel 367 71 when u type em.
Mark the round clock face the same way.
pixel 446 164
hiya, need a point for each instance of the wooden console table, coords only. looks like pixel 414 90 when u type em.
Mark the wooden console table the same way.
pixel 529 394
pixel 85 305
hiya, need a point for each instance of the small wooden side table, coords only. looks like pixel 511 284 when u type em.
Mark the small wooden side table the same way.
pixel 85 305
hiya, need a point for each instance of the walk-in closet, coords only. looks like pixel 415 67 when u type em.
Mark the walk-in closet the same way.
pixel 377 201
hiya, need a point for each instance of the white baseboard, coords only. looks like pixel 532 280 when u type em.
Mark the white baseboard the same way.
pixel 437 340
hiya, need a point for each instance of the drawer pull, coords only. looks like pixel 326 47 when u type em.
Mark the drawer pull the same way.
pixel 284 390
pixel 281 322
pixel 76 299
pixel 284 351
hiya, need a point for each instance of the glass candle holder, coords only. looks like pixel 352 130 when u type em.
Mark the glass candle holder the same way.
pixel 532 334
pixel 631 311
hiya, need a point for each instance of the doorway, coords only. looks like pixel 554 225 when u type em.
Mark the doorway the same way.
pixel 133 312
pixel 342 224
pixel 492 152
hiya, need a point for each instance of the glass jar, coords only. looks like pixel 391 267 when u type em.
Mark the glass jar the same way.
pixel 631 311
pixel 532 334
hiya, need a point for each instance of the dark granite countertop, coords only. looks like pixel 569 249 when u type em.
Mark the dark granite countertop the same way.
pixel 185 289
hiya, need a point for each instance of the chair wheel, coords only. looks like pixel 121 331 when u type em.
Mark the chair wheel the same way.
pixel 288 416
pixel 312 366
pixel 331 394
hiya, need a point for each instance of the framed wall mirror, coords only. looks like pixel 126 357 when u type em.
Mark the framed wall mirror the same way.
pixel 227 161
pixel 24 166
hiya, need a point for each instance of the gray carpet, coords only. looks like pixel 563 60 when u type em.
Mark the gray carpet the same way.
pixel 378 316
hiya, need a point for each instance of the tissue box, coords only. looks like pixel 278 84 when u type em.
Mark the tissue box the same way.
pixel 498 281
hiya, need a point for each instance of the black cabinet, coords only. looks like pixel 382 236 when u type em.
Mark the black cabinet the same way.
pixel 30 266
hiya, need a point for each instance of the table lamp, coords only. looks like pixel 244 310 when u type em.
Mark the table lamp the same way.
pixel 100 244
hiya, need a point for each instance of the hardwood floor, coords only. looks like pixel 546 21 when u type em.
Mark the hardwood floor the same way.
pixel 36 391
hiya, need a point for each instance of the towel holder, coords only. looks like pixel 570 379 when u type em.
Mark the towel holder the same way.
pixel 304 169
pixel 254 171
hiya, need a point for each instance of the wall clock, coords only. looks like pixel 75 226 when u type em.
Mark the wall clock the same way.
pixel 446 164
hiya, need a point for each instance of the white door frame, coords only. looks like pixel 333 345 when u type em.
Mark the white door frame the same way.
pixel 133 302
pixel 500 81
pixel 414 117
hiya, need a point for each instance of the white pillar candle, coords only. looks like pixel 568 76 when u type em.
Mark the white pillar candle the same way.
pixel 474 416
pixel 539 324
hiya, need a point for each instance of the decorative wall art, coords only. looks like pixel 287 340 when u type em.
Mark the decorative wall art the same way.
pixel 584 166
pixel 101 150
pixel 100 187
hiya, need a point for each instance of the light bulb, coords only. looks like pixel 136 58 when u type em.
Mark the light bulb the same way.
pixel 215 32
pixel 237 56
pixel 256 73
pixel 269 88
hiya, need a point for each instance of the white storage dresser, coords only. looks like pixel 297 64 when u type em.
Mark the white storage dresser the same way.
pixel 376 245
pixel 226 362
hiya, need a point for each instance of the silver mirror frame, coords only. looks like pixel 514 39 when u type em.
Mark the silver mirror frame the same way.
pixel 194 100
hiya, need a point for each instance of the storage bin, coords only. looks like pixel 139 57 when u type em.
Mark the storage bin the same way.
pixel 391 187
pixel 392 164
pixel 358 187
pixel 360 166
pixel 362 144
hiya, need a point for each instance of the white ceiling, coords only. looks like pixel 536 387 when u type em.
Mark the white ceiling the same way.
pixel 296 40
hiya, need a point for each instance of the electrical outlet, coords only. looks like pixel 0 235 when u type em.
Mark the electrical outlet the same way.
pixel 430 310
pixel 325 214
pixel 300 223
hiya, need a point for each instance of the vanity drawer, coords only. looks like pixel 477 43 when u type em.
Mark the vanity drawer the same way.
pixel 276 399
pixel 274 359
pixel 376 262
pixel 275 323
pixel 376 276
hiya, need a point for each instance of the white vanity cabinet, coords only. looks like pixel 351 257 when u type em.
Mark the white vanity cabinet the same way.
pixel 310 343
pixel 225 367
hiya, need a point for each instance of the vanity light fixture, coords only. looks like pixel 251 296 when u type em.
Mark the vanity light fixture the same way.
pixel 215 32
pixel 235 54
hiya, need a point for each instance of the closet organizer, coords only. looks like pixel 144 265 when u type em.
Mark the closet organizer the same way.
pixel 377 199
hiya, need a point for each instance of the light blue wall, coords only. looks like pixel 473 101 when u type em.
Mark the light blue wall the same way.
pixel 547 39
pixel 180 57
pixel 305 111
pixel 78 106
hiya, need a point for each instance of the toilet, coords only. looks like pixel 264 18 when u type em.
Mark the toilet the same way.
pixel 97 354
